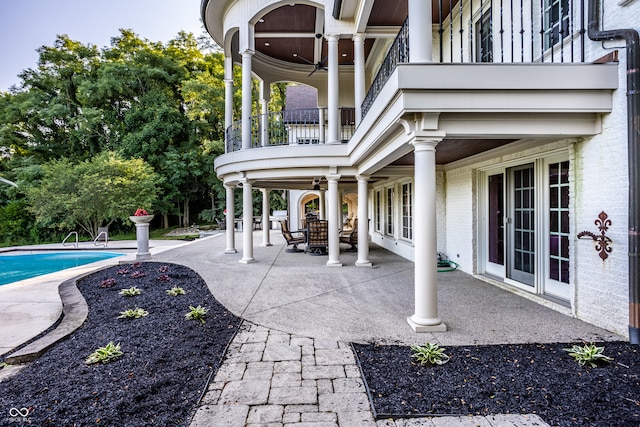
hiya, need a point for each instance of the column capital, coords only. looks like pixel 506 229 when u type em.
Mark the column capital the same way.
pixel 332 37
pixel 246 181
pixel 363 177
pixel 228 186
pixel 228 81
pixel 358 37
pixel 333 177
pixel 425 140
pixel 248 52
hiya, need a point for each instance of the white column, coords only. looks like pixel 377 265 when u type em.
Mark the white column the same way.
pixel 363 222
pixel 246 99
pixel 322 205
pixel 230 233
pixel 358 74
pixel 228 107
pixel 333 86
pixel 425 318
pixel 321 120
pixel 247 222
pixel 420 27
pixel 334 236
pixel 265 217
pixel 264 123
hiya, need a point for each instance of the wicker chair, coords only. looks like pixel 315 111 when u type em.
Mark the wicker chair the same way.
pixel 290 238
pixel 317 237
pixel 351 238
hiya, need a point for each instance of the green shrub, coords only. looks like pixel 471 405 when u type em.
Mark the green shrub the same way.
pixel 196 313
pixel 175 291
pixel 105 354
pixel 134 313
pixel 588 354
pixel 131 292
pixel 429 354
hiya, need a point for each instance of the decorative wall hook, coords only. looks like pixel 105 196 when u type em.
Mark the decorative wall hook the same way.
pixel 602 241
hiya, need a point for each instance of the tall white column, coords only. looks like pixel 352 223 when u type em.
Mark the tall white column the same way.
pixel 333 86
pixel 265 217
pixel 334 234
pixel 228 106
pixel 246 99
pixel 322 205
pixel 247 222
pixel 425 318
pixel 358 74
pixel 230 219
pixel 363 222
pixel 420 25
pixel 264 123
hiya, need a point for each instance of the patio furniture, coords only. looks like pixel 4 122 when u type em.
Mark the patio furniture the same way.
pixel 351 237
pixel 222 225
pixel 317 237
pixel 292 237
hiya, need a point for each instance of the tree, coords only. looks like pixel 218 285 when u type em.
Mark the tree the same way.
pixel 92 193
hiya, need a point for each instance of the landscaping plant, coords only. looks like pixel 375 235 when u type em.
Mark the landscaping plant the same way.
pixel 429 354
pixel 105 354
pixel 196 313
pixel 175 291
pixel 130 292
pixel 133 313
pixel 588 354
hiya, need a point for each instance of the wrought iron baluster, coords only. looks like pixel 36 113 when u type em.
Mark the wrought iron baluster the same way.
pixel 461 31
pixel 511 28
pixel 440 29
pixel 542 30
pixel 450 31
pixel 501 31
pixel 521 30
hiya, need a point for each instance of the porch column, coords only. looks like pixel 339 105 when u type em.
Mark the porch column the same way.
pixel 420 36
pixel 247 222
pixel 358 77
pixel 246 99
pixel 265 217
pixel 333 89
pixel 334 236
pixel 321 120
pixel 230 232
pixel 363 222
pixel 264 114
pixel 228 95
pixel 321 205
pixel 425 318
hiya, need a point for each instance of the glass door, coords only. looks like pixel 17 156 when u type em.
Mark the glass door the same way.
pixel 521 225
pixel 495 226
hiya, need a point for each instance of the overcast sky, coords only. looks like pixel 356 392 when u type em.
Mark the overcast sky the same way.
pixel 25 25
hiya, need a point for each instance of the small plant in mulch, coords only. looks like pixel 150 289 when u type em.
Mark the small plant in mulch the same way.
pixel 588 355
pixel 105 354
pixel 137 274
pixel 429 354
pixel 133 313
pixel 3 365
pixel 196 313
pixel 122 271
pixel 175 291
pixel 107 283
pixel 130 292
pixel 163 269
pixel 164 278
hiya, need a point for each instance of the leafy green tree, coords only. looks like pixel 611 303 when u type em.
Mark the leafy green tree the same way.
pixel 92 193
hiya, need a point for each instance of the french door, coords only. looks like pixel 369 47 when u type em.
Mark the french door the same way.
pixel 526 226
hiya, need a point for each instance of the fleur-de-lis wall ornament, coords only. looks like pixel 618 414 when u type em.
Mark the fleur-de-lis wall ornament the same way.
pixel 602 241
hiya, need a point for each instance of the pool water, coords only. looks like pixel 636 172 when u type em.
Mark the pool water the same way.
pixel 19 267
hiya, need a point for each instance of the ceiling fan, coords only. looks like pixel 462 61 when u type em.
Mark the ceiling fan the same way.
pixel 320 65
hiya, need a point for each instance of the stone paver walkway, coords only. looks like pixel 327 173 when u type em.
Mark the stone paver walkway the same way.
pixel 272 378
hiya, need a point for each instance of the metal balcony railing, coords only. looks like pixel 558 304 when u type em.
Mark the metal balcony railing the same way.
pixel 290 127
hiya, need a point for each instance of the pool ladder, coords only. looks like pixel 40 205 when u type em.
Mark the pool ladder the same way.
pixel 64 242
pixel 106 239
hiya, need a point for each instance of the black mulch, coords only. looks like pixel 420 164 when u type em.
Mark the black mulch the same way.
pixel 507 379
pixel 166 363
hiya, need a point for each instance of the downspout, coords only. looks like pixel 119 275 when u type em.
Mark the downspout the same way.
pixel 632 41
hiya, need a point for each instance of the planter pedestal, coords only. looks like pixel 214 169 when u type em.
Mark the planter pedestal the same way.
pixel 142 235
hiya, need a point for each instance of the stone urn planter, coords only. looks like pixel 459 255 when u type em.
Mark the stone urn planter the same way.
pixel 142 235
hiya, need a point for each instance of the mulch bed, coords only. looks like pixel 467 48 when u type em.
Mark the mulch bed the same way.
pixel 537 379
pixel 166 363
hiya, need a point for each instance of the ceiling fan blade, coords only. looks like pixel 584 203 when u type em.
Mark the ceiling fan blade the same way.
pixel 304 59
pixel 314 70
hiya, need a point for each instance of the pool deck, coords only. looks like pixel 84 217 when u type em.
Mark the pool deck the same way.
pixel 29 307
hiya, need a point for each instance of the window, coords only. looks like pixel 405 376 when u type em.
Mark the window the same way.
pixel 407 211
pixel 389 222
pixel 559 221
pixel 555 21
pixel 484 38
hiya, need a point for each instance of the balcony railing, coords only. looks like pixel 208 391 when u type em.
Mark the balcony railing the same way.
pixel 290 127
pixel 496 31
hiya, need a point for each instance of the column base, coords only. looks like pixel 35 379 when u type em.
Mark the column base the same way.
pixel 440 327
pixel 145 255
pixel 230 251
pixel 334 263
pixel 266 244
pixel 364 264
pixel 247 260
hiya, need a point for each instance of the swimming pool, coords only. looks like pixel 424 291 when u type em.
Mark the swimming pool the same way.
pixel 19 267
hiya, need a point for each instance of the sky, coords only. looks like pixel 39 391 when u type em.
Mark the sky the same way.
pixel 25 25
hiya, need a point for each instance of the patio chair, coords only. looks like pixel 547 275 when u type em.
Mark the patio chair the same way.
pixel 351 238
pixel 290 238
pixel 222 225
pixel 317 237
